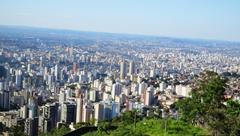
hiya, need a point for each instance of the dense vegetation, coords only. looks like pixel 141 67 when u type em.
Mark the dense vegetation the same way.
pixel 208 108
pixel 57 132
pixel 17 131
pixel 150 127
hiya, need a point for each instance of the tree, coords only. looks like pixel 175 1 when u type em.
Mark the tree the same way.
pixel 81 124
pixel 17 130
pixel 58 132
pixel 206 106
pixel 104 126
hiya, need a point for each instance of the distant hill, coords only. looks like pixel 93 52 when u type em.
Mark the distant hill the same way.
pixel 72 37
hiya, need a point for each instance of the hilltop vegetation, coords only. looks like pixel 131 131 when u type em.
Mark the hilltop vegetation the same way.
pixel 153 127
pixel 209 108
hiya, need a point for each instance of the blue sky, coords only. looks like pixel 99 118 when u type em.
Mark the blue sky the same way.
pixel 205 19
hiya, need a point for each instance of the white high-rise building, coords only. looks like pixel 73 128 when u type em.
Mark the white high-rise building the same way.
pixel 98 112
pixel 23 112
pixel 56 72
pixel 18 78
pixel 62 96
pixel 93 95
pixel 142 87
pixel 116 89
pixel 41 62
pixel 131 67
pixel 152 72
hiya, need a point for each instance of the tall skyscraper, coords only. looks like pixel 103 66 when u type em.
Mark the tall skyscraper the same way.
pixel 56 72
pixel 131 67
pixel 32 109
pixel 122 69
pixel 79 113
pixel 18 79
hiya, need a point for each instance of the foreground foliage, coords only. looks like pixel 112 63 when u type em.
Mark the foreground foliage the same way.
pixel 153 127
pixel 208 108
pixel 58 132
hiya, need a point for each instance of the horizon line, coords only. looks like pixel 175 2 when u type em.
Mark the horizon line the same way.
pixel 120 33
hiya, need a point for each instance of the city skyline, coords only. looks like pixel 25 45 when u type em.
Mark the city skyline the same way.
pixel 217 20
pixel 119 68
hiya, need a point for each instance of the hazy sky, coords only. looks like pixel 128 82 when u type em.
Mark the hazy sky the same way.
pixel 209 19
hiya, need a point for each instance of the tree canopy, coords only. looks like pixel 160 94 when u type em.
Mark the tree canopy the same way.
pixel 208 108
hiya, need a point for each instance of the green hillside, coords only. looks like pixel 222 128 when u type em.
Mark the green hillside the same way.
pixel 153 127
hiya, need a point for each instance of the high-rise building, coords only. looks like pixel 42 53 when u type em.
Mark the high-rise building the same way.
pixel 87 112
pixel 18 81
pixel 4 100
pixel 32 109
pixel 98 112
pixel 29 67
pixel 79 112
pixel 75 68
pixel 116 90
pixel 152 72
pixel 3 72
pixel 62 96
pixel 107 111
pixel 131 67
pixel 56 72
pixel 68 113
pixel 115 109
pixel 142 88
pixel 93 95
pixel 31 126
pixel 50 81
pixel 122 70
pixel 2 85
pixel 41 62
pixel 70 52
pixel 49 112
pixel 149 96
